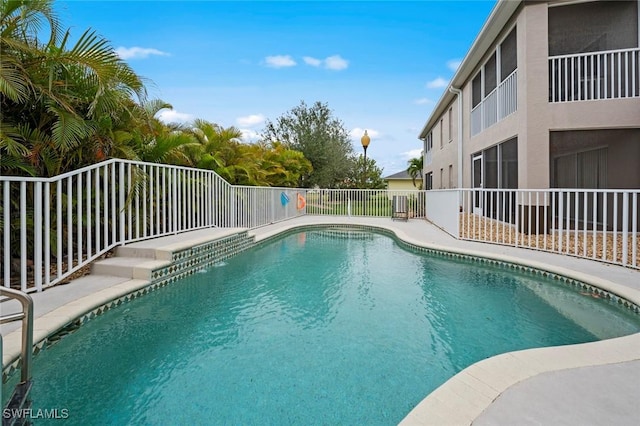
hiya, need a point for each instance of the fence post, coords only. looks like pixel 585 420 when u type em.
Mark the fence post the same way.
pixel 121 200
pixel 625 227
pixel 37 233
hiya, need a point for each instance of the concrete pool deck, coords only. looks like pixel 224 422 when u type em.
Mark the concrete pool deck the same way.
pixel 594 383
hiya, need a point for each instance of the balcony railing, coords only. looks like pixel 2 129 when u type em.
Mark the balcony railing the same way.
pixel 612 74
pixel 498 104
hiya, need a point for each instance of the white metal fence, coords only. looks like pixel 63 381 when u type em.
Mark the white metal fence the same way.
pixel 609 74
pixel 51 227
pixel 361 202
pixel 597 224
pixel 498 104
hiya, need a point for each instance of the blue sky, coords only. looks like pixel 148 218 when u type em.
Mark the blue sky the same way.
pixel 379 65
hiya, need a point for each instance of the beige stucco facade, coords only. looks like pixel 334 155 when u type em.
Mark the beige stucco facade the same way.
pixel 540 111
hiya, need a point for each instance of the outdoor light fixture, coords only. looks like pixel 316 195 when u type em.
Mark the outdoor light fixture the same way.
pixel 365 139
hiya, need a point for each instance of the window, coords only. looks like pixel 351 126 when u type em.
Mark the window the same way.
pixel 428 184
pixel 501 165
pixel 498 169
pixel 428 147
pixel 490 75
pixel 490 158
pixel 476 90
pixel 441 135
pixel 508 55
pixel 451 176
pixel 441 178
pixel 509 164
pixel 587 169
pixel 450 118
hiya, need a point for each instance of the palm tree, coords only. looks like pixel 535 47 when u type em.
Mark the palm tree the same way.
pixel 57 100
pixel 415 170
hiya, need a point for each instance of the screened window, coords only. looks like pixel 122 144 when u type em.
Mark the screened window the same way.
pixel 500 164
pixel 428 181
pixel 429 142
pixel 450 118
pixel 476 95
pixel 593 26
pixel 490 75
pixel 508 55
pixel 491 168
pixel 587 169
pixel 509 164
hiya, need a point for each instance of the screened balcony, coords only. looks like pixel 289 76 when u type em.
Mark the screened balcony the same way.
pixel 613 74
pixel 594 51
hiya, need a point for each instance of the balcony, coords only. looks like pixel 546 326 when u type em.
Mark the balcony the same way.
pixel 612 74
pixel 498 104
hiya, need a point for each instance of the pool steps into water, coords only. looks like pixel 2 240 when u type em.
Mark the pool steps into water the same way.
pixel 160 260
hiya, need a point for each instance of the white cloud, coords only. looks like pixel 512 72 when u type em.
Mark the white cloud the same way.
pixel 138 52
pixel 438 83
pixel 336 62
pixel 312 61
pixel 279 61
pixel 250 120
pixel 249 135
pixel 173 116
pixel 423 101
pixel 453 64
pixel 414 153
pixel 357 133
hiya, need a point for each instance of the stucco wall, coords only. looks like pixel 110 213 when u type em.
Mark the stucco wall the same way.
pixel 402 184
pixel 446 155
pixel 535 117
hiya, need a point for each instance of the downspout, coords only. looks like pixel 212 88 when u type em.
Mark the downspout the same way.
pixel 458 94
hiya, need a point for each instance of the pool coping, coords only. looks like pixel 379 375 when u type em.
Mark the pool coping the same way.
pixel 463 397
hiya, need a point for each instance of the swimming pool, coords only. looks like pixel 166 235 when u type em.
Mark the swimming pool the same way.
pixel 316 327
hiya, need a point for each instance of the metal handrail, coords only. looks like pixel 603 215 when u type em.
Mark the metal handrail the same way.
pixel 27 327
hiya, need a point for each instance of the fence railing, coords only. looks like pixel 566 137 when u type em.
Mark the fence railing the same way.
pixel 361 202
pixel 52 227
pixel 597 224
pixel 612 74
pixel 496 105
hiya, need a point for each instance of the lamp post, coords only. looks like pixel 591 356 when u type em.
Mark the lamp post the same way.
pixel 365 139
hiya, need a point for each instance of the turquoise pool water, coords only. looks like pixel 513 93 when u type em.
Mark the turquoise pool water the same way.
pixel 319 327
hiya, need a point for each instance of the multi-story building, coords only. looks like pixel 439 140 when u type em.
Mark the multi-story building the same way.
pixel 548 96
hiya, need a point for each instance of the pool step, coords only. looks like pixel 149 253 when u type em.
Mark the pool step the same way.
pixel 128 267
pixel 154 260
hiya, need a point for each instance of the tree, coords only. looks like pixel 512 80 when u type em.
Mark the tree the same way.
pixel 415 170
pixel 282 166
pixel 322 139
pixel 358 178
pixel 59 101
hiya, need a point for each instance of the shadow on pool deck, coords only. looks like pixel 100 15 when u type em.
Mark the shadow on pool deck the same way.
pixel 566 385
